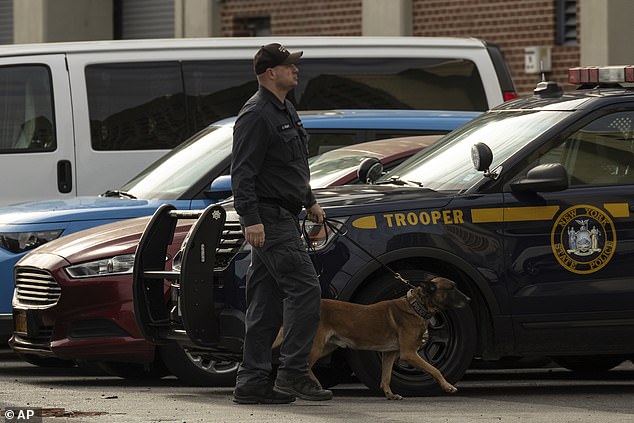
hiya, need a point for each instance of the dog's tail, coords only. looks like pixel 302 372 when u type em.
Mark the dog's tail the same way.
pixel 279 338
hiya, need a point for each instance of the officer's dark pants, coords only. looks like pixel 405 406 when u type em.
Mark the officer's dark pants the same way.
pixel 282 289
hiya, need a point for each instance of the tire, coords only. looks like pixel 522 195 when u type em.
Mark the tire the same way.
pixel 336 372
pixel 450 346
pixel 135 371
pixel 589 364
pixel 194 370
pixel 46 361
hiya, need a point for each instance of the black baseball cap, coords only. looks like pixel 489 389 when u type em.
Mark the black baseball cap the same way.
pixel 272 55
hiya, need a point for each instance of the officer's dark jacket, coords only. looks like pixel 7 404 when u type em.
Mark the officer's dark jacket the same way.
pixel 269 157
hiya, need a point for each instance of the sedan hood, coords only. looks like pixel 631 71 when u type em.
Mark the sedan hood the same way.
pixel 77 209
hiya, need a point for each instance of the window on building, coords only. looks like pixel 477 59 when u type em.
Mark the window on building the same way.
pixel 566 21
pixel 26 109
pixel 252 27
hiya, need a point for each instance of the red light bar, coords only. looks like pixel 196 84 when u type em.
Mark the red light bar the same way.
pixel 604 74
pixel 629 73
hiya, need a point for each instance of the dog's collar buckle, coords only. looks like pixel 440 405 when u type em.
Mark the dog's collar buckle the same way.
pixel 418 307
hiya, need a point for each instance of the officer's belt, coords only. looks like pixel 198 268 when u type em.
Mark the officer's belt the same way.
pixel 291 208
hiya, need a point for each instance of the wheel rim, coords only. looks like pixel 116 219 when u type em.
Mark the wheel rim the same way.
pixel 212 366
pixel 435 349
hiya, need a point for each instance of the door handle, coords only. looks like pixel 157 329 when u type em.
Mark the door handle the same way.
pixel 64 176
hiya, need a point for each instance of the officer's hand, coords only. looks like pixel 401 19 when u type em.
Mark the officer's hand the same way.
pixel 315 213
pixel 254 235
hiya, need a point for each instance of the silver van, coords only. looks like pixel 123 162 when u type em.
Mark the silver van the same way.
pixel 80 118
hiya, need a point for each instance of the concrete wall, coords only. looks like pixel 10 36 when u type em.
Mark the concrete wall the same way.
pixel 386 18
pixel 608 32
pixel 197 18
pixel 41 21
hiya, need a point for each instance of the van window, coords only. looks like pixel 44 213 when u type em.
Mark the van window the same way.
pixel 26 109
pixel 390 83
pixel 217 89
pixel 136 106
pixel 157 105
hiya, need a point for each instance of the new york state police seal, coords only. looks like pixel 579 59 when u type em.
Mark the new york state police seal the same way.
pixel 583 239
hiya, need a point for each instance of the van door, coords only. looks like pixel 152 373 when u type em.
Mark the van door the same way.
pixel 37 158
pixel 130 112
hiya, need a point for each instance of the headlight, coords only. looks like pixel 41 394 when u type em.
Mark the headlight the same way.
pixel 117 265
pixel 319 236
pixel 18 242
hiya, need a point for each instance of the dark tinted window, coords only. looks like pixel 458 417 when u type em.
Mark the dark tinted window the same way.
pixel 136 106
pixel 432 84
pixel 156 106
pixel 26 109
pixel 218 89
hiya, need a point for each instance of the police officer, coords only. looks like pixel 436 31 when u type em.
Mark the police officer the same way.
pixel 270 182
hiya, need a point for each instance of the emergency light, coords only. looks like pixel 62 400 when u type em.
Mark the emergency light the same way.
pixel 601 74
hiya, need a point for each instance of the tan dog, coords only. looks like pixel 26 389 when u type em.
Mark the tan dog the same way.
pixel 392 327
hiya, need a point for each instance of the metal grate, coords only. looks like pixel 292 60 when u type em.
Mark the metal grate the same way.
pixel 230 243
pixel 35 287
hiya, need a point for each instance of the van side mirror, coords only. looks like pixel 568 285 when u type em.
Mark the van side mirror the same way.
pixel 369 170
pixel 220 188
pixel 547 177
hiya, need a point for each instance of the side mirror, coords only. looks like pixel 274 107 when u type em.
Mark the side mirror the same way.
pixel 547 177
pixel 220 188
pixel 369 170
pixel 481 156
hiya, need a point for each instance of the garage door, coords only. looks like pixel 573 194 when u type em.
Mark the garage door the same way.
pixel 144 19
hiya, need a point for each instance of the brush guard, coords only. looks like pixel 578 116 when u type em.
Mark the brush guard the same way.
pixel 189 315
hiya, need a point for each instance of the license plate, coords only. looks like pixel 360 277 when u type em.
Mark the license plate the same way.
pixel 19 322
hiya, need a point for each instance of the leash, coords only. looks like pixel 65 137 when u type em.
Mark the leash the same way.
pixel 328 223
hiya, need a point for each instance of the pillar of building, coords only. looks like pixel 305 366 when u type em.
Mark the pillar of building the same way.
pixel 605 32
pixel 197 18
pixel 386 18
pixel 44 21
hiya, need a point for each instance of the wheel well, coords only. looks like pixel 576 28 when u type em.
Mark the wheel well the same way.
pixel 436 267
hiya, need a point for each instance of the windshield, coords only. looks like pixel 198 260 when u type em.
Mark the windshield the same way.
pixel 169 177
pixel 333 165
pixel 447 165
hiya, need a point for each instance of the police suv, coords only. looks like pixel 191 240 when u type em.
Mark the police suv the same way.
pixel 528 208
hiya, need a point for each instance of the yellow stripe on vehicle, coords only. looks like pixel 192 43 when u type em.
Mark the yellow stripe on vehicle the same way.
pixel 618 209
pixel 367 222
pixel 513 214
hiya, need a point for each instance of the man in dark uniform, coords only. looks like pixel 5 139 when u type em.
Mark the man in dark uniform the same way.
pixel 270 182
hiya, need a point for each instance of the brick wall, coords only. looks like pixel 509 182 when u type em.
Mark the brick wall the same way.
pixel 511 24
pixel 294 18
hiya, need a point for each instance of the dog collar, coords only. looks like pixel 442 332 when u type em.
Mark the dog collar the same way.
pixel 418 307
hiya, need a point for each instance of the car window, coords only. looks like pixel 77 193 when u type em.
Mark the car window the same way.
pixel 600 153
pixel 173 174
pixel 26 109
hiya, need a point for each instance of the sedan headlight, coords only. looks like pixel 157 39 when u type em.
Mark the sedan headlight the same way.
pixel 320 236
pixel 19 242
pixel 117 265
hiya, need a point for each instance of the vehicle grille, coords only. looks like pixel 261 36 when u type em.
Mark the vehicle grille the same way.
pixel 231 241
pixel 36 287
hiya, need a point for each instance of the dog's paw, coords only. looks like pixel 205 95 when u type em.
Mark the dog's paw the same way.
pixel 393 396
pixel 450 389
